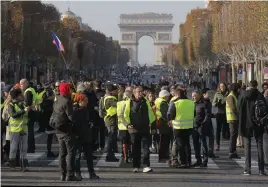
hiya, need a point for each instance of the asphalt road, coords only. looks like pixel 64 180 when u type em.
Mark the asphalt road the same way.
pixel 220 172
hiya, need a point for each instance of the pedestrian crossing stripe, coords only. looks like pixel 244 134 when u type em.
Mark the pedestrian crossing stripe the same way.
pixel 35 157
pixel 99 163
pixel 254 164
pixel 103 163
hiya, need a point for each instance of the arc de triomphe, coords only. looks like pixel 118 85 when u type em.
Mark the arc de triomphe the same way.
pixel 135 26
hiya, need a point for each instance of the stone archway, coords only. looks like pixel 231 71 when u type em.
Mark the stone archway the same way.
pixel 135 26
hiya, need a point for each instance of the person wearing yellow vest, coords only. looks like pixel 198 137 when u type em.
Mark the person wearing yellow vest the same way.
pixel 155 137
pixel 140 118
pixel 40 91
pixel 175 160
pixel 232 119
pixel 18 128
pixel 181 113
pixel 110 120
pixel 202 116
pixel 122 126
pixel 165 131
pixel 30 100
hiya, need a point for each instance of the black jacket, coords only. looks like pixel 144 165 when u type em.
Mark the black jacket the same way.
pixel 202 114
pixel 62 113
pixel 82 126
pixel 208 105
pixel 246 103
pixel 139 117
pixel 48 100
pixel 92 103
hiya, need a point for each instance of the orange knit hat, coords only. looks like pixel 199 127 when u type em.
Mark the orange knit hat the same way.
pixel 79 97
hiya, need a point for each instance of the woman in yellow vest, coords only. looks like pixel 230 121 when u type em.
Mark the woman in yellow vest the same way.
pixel 18 128
pixel 122 126
pixel 155 137
pixel 232 119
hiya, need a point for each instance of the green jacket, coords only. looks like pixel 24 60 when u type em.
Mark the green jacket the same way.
pixel 219 101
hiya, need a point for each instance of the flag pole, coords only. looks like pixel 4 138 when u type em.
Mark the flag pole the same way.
pixel 67 69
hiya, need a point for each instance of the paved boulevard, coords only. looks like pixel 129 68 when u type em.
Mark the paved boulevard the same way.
pixel 220 171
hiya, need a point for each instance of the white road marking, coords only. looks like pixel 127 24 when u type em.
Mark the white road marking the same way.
pixel 103 163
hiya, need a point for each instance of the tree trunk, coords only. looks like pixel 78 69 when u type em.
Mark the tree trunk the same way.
pixel 233 72
pixel 245 73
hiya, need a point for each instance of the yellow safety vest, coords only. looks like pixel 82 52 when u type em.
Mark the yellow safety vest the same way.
pixel 40 97
pixel 111 111
pixel 35 97
pixel 18 124
pixel 230 115
pixel 157 103
pixel 120 115
pixel 184 114
pixel 150 112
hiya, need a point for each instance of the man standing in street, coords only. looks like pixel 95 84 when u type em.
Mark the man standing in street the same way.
pixel 249 128
pixel 232 119
pixel 211 137
pixel 110 119
pixel 62 117
pixel 30 98
pixel 202 117
pixel 181 112
pixel 139 115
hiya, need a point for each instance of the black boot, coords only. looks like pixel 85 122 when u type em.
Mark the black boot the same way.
pixel 262 173
pixel 78 176
pixel 12 163
pixel 24 165
pixel 63 177
pixel 93 176
pixel 51 155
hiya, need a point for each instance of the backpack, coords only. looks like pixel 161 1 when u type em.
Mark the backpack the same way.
pixel 102 111
pixel 260 116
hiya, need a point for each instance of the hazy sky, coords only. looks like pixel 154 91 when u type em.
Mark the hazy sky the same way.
pixel 104 16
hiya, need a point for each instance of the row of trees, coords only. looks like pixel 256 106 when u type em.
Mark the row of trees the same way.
pixel 227 32
pixel 26 37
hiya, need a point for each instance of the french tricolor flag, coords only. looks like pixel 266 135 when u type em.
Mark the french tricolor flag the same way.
pixel 57 42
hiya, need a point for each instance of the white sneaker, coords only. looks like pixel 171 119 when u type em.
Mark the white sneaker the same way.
pixel 135 170
pixel 147 169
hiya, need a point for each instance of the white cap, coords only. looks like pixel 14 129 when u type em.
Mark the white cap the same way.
pixel 81 87
pixel 164 93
